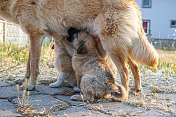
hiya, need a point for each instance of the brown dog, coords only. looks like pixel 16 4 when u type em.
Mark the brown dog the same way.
pixel 93 72
pixel 24 14
pixel 117 23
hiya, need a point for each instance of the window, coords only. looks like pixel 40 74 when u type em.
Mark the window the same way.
pixel 173 24
pixel 146 26
pixel 146 3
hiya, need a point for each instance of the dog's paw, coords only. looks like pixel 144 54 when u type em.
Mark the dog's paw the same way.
pixel 76 89
pixel 137 90
pixel 55 85
pixel 30 87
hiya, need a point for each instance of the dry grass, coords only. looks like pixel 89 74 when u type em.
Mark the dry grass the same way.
pixel 169 56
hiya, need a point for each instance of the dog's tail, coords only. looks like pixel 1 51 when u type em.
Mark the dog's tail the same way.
pixel 119 96
pixel 143 52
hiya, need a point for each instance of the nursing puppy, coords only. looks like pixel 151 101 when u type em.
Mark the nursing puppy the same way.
pixel 93 72
pixel 64 51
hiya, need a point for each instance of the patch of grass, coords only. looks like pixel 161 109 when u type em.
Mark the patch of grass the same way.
pixel 13 59
pixel 12 54
pixel 166 48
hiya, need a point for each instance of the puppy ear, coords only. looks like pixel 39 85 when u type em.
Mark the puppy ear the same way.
pixel 82 50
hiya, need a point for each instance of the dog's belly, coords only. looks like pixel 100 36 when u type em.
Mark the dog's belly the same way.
pixel 57 16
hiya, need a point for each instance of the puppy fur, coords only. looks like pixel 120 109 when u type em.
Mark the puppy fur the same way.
pixel 63 55
pixel 93 72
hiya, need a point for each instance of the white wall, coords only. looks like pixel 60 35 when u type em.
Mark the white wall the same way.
pixel 160 15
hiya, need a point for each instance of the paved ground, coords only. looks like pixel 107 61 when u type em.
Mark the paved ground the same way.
pixel 45 101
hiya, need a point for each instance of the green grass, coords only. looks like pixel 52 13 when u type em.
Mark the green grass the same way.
pixel 12 54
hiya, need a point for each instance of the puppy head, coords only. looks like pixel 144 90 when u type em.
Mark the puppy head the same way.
pixel 83 43
pixel 71 32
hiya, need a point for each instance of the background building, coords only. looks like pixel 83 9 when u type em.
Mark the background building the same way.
pixel 159 17
pixel 12 33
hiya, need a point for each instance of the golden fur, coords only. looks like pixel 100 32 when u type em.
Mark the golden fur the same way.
pixel 24 14
pixel 93 72
pixel 117 22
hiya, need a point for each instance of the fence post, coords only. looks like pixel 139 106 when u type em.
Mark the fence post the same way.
pixel 4 32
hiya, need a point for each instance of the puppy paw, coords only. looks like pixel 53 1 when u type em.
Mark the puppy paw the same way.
pixel 55 85
pixel 76 97
pixel 76 89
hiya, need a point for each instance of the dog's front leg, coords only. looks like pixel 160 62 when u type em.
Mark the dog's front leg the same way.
pixel 27 75
pixel 35 51
pixel 122 69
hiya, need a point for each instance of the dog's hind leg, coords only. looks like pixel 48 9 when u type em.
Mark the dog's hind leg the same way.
pixel 135 71
pixel 120 63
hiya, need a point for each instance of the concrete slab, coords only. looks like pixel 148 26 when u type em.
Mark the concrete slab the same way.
pixel 11 92
pixel 67 99
pixel 46 101
pixel 2 84
pixel 154 113
pixel 7 109
pixel 52 91
pixel 116 108
pixel 79 112
pixel 168 96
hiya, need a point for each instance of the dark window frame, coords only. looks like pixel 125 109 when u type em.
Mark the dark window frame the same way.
pixel 147 6
pixel 172 26
pixel 149 25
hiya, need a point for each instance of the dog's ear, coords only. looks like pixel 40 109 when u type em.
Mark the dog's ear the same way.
pixel 82 50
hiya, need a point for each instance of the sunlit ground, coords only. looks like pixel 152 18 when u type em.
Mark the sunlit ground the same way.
pixel 157 84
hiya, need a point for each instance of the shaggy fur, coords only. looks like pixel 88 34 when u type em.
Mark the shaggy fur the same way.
pixel 116 22
pixel 95 77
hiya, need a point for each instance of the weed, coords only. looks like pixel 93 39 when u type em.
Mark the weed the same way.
pixel 27 110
